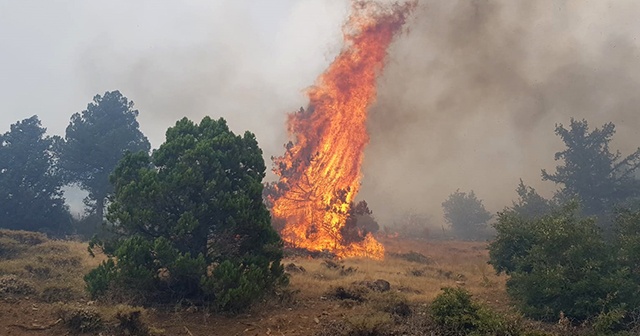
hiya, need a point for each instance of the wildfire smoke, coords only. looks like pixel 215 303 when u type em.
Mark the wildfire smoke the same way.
pixel 320 170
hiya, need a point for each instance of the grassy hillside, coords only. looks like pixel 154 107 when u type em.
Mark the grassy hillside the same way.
pixel 42 293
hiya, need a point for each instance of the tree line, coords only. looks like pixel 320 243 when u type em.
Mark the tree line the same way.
pixel 589 173
pixel 575 256
pixel 34 167
pixel 187 222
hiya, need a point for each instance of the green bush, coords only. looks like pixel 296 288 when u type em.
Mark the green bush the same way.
pixel 80 320
pixel 467 216
pixel 100 278
pixel 456 313
pixel 561 262
pixel 189 223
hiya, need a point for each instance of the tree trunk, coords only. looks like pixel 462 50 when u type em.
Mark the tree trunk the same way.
pixel 99 211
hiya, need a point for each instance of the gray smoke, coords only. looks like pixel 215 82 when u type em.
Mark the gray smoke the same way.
pixel 473 91
pixel 468 100
pixel 243 61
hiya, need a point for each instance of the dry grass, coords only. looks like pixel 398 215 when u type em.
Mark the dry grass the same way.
pixel 55 268
pixel 453 264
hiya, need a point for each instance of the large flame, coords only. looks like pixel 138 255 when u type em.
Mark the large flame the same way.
pixel 320 170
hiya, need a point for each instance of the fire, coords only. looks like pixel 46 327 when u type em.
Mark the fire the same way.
pixel 320 170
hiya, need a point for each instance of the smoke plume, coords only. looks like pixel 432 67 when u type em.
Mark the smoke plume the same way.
pixel 473 91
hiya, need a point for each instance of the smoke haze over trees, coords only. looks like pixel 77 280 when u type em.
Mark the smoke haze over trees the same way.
pixel 95 140
pixel 30 183
pixel 468 100
pixel 473 91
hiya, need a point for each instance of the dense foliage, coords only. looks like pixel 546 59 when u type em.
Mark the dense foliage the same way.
pixel 530 204
pixel 30 185
pixel 590 172
pixel 191 222
pixel 561 262
pixel 456 313
pixel 95 140
pixel 466 214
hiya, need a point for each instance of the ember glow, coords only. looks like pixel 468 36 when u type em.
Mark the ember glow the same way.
pixel 320 170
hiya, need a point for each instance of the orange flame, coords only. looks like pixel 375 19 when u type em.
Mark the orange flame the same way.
pixel 320 171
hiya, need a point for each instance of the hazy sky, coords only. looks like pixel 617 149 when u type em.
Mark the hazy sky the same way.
pixel 468 100
pixel 248 61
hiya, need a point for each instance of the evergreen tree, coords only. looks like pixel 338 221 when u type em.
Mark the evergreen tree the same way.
pixel 530 204
pixel 590 172
pixel 466 214
pixel 191 221
pixel 30 187
pixel 95 140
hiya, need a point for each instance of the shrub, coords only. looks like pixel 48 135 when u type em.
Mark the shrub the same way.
pixel 130 321
pixel 58 294
pixel 10 248
pixel 456 313
pixel 413 256
pixel 12 285
pixel 357 293
pixel 391 302
pixel 24 237
pixel 370 324
pixel 236 286
pixel 80 319
pixel 99 279
pixel 562 263
pixel 467 215
pixel 190 224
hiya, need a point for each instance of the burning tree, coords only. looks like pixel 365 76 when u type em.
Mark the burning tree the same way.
pixel 320 169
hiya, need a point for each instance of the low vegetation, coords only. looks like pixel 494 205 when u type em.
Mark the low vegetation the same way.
pixel 563 264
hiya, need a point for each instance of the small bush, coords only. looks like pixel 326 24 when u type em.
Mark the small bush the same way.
pixel 156 272
pixel 234 286
pixel 456 313
pixel 10 248
pixel 354 292
pixel 12 285
pixel 393 303
pixel 339 266
pixel 413 256
pixel 99 279
pixel 130 321
pixel 24 237
pixel 80 319
pixel 39 272
pixel 379 285
pixel 292 268
pixel 62 261
pixel 610 322
pixel 58 294
pixel 416 272
pixel 370 324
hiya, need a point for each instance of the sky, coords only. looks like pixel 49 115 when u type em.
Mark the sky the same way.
pixel 248 61
pixel 469 99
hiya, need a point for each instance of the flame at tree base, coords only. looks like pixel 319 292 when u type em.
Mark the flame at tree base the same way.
pixel 368 247
pixel 320 170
